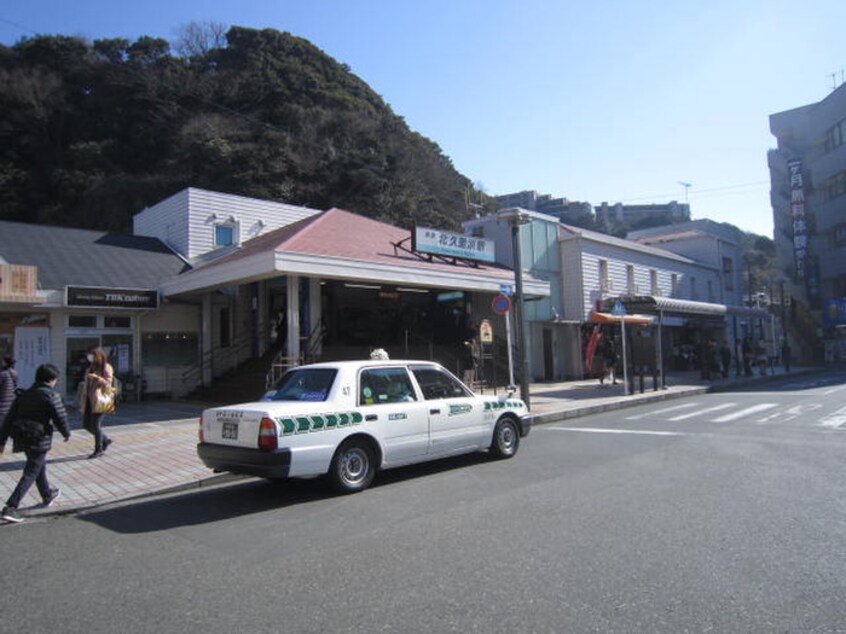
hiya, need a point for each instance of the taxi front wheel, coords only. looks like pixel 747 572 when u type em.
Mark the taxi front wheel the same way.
pixel 353 467
pixel 506 439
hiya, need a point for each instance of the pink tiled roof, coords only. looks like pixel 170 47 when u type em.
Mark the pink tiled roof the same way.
pixel 343 234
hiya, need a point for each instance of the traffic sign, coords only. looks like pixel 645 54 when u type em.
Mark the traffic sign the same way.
pixel 506 289
pixel 619 310
pixel 501 304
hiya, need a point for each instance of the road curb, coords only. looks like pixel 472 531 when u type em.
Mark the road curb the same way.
pixel 220 478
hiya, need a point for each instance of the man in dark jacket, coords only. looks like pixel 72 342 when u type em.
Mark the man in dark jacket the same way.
pixel 30 423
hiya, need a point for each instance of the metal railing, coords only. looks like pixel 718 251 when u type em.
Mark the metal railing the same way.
pixel 218 360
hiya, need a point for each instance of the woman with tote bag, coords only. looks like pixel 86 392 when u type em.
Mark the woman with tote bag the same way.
pixel 97 398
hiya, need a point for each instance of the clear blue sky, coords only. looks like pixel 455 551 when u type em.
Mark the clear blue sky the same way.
pixel 611 100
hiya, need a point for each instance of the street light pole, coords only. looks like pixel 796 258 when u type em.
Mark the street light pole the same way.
pixel 516 218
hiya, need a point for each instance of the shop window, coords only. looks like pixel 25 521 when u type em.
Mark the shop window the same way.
pixel 82 321
pixel 169 348
pixel 117 322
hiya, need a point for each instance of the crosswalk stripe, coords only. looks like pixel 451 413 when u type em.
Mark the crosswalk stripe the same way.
pixel 663 411
pixel 754 409
pixel 716 408
pixel 835 419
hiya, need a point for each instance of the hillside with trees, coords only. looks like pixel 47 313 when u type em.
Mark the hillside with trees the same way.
pixel 92 132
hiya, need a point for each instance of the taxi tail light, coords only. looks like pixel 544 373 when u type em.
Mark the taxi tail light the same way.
pixel 268 435
pixel 200 434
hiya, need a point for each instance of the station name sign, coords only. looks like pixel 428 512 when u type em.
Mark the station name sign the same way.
pixel 455 245
pixel 95 296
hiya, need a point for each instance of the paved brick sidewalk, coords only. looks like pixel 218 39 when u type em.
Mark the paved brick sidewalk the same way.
pixel 154 448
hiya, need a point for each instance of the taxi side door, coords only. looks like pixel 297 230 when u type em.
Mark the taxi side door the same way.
pixel 456 417
pixel 388 402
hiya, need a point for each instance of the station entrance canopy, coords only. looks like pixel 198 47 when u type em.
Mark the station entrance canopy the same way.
pixel 341 245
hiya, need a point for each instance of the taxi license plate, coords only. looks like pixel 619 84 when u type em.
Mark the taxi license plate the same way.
pixel 229 431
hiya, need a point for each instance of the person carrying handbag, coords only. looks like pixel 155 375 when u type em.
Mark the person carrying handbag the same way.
pixel 34 415
pixel 94 401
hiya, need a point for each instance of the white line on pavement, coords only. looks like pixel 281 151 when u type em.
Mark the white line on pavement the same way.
pixel 716 408
pixel 835 419
pixel 662 411
pixel 596 430
pixel 754 409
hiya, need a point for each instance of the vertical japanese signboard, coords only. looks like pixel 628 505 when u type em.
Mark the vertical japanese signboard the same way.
pixel 799 218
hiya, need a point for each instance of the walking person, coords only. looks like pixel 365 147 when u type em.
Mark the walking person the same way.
pixel 725 358
pixel 34 415
pixel 98 376
pixel 8 385
pixel 746 347
pixel 785 354
pixel 761 357
pixel 610 355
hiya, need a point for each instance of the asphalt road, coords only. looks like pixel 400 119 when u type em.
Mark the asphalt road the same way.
pixel 717 513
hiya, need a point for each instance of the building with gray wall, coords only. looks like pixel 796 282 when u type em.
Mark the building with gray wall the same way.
pixel 808 195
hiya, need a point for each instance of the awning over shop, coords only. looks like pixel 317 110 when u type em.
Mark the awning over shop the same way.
pixel 672 306
pixel 631 320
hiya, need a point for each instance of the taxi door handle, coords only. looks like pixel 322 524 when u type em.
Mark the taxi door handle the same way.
pixel 434 411
pixel 371 417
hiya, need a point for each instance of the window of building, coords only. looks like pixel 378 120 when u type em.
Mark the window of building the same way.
pixel 728 273
pixel 82 321
pixel 169 348
pixel 117 322
pixel 603 275
pixel 834 187
pixel 224 235
pixel 839 235
pixel 674 284
pixel 835 135
pixel 694 292
pixel 631 287
pixel 653 282
pixel 711 296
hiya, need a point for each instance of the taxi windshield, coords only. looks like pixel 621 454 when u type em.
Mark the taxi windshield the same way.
pixel 304 385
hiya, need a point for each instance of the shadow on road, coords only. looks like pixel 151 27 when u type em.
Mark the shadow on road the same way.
pixel 246 497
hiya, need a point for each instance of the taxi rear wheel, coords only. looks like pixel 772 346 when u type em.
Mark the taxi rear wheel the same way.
pixel 353 467
pixel 506 438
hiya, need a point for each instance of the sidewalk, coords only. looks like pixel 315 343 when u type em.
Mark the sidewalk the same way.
pixel 154 448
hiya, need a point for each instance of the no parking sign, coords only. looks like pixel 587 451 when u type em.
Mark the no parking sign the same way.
pixel 501 304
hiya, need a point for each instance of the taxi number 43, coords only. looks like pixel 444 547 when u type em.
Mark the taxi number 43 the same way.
pixel 229 431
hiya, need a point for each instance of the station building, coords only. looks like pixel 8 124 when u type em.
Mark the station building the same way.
pixel 211 281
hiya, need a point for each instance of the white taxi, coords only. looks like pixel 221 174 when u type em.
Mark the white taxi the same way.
pixel 349 419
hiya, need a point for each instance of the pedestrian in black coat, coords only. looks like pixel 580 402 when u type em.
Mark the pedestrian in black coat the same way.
pixel 35 415
pixel 8 385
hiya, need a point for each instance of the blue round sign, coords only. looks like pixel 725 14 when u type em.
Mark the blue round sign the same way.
pixel 501 304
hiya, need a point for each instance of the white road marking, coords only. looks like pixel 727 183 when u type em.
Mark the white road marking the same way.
pixel 662 411
pixel 597 430
pixel 837 389
pixel 716 408
pixel 754 409
pixel 835 419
